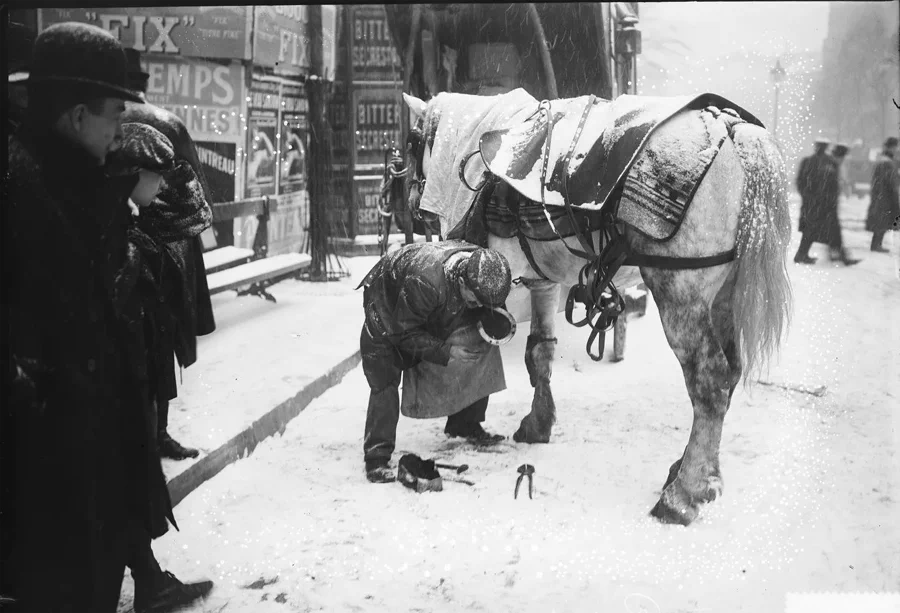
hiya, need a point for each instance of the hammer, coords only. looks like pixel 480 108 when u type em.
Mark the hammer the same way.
pixel 459 469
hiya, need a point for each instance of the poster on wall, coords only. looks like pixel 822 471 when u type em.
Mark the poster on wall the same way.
pixel 206 95
pixel 219 161
pixel 367 193
pixel 294 144
pixel 280 38
pixel 192 31
pixel 288 226
pixel 377 125
pixel 262 142
pixel 374 57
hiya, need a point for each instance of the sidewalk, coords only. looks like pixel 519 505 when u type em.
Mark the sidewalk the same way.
pixel 260 368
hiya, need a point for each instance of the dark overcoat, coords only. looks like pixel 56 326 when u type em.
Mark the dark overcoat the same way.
pixel 819 185
pixel 84 461
pixel 195 317
pixel 884 206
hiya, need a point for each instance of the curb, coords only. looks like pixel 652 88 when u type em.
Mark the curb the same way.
pixel 245 443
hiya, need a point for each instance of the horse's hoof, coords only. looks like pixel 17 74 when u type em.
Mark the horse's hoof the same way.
pixel 522 435
pixel 675 506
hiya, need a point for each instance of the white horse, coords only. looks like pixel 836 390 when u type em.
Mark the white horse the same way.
pixel 721 321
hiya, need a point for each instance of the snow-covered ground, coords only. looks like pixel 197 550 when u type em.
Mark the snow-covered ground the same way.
pixel 811 484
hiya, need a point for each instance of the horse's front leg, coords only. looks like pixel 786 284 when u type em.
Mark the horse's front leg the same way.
pixel 538 424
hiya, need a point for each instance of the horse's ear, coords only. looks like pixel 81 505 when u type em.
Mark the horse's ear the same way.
pixel 416 105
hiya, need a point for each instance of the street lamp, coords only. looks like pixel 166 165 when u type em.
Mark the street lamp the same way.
pixel 777 73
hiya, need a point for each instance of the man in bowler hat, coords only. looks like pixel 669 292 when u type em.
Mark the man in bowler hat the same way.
pixel 82 466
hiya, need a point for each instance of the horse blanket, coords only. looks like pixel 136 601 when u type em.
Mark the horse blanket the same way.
pixel 628 153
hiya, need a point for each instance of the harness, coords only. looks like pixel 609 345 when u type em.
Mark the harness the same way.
pixel 595 290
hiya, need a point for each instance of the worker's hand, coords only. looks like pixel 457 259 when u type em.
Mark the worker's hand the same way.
pixel 464 354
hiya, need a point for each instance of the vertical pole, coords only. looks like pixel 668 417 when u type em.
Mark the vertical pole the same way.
pixel 544 50
pixel 775 119
pixel 320 150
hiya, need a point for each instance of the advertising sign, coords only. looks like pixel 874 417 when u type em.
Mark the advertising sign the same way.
pixel 206 95
pixel 294 148
pixel 219 163
pixel 377 123
pixel 367 193
pixel 288 224
pixel 374 57
pixel 262 150
pixel 280 38
pixel 191 31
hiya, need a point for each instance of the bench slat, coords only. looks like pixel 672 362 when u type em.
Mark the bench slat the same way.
pixel 258 270
pixel 225 257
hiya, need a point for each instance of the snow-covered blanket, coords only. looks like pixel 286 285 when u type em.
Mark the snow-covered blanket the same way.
pixel 462 121
pixel 634 137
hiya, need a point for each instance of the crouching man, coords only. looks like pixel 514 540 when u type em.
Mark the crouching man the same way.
pixel 414 299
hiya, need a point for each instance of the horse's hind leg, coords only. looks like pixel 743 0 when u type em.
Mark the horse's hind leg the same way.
pixel 536 427
pixel 695 309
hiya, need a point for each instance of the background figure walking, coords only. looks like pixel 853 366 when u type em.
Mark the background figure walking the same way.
pixel 884 207
pixel 836 248
pixel 818 181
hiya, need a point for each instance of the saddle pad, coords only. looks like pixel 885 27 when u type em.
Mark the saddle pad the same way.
pixel 612 138
pixel 661 184
pixel 508 213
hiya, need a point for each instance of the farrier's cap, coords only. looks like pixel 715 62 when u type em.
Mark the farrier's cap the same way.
pixel 74 53
pixel 489 277
pixel 143 147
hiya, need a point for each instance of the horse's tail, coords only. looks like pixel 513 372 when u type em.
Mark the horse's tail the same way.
pixel 763 298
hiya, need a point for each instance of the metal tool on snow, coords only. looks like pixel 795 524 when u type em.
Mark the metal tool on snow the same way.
pixel 459 469
pixel 525 470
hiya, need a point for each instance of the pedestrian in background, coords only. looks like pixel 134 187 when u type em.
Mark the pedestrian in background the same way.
pixel 193 315
pixel 148 287
pixel 884 206
pixel 814 183
pixel 83 461
pixel 837 250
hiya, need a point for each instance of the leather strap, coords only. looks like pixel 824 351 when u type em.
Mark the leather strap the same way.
pixel 678 263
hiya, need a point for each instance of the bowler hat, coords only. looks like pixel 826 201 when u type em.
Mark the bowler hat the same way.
pixel 136 72
pixel 822 141
pixel 891 141
pixel 71 53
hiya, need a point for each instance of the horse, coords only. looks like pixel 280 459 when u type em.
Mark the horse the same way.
pixel 723 321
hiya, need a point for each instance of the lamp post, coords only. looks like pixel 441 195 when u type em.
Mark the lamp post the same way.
pixel 777 73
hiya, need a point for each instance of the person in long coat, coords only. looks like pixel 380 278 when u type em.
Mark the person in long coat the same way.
pixel 818 181
pixel 148 298
pixel 414 299
pixel 884 206
pixel 836 249
pixel 83 467
pixel 194 315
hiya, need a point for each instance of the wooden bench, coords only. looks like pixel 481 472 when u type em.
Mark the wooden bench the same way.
pixel 233 268
pixel 226 257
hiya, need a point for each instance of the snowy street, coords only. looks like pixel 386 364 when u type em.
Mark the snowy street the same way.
pixel 811 482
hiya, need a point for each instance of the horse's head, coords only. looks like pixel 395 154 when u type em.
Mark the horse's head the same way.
pixel 418 147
